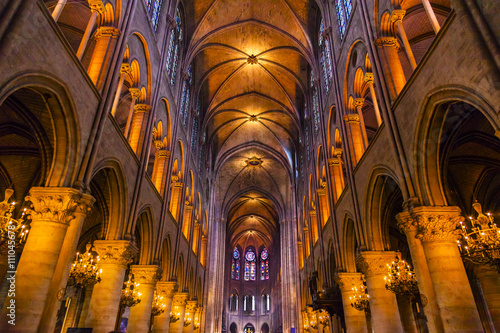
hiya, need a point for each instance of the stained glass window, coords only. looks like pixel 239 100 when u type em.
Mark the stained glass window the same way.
pixel 264 265
pixel 156 14
pixel 235 267
pixel 194 134
pixel 148 4
pixel 250 265
pixel 315 99
pixel 340 17
pixel 186 106
pixel 173 48
pixel 348 9
pixel 325 56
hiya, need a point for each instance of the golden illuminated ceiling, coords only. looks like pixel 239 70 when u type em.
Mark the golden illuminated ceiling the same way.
pixel 251 62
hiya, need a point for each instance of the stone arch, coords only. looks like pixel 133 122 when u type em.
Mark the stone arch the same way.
pixel 143 236
pixel 348 245
pixel 166 258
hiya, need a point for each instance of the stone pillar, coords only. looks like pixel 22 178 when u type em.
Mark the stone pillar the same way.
pixel 114 256
pixel 335 165
pixel 105 41
pixel 355 137
pixel 314 226
pixel 97 7
pixel 490 284
pixel 140 112
pixel 369 79
pixel 390 48
pixel 159 176
pixel 124 70
pixel 383 303
pixel 4 267
pixel 58 9
pixel 203 252
pixel 358 105
pixel 323 204
pixel 176 197
pixel 196 237
pixel 162 321
pixel 186 221
pixel 189 316
pixel 179 310
pixel 40 269
pixel 307 241
pixel 136 95
pixel 85 307
pixel 355 321
pixel 438 234
pixel 140 314
pixel 409 227
pixel 397 18
pixel 431 15
pixel 406 313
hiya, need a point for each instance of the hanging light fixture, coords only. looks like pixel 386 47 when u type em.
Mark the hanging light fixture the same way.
pixel 158 306
pixel 11 228
pixel 85 271
pixel 130 295
pixel 323 317
pixel 360 300
pixel 175 314
pixel 401 279
pixel 480 239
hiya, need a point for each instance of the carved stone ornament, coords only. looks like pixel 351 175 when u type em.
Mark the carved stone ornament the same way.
pixel 406 223
pixel 397 15
pixel 167 289
pixel 191 306
pixel 58 204
pixel 164 153
pixel 387 41
pixel 135 93
pixel 125 68
pixel 180 299
pixel 118 252
pixel 346 281
pixel 437 223
pixel 368 77
pixel 333 161
pixel 351 118
pixel 374 263
pixel 107 32
pixel 146 274
pixel 142 108
pixel 96 6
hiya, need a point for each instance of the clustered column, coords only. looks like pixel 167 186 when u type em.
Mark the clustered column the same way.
pixel 162 321
pixel 179 310
pixel 355 321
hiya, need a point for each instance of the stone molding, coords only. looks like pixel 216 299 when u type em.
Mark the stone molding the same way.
pixel 437 223
pixel 125 68
pixel 347 281
pixel 164 153
pixel 368 77
pixel 142 108
pixel 333 161
pixel 191 306
pixel 359 102
pixel 135 93
pixel 107 32
pixel 387 41
pixel 180 299
pixel 406 223
pixel 58 204
pixel 146 274
pixel 397 15
pixel 116 252
pixel 374 263
pixel 96 6
pixel 167 289
pixel 351 118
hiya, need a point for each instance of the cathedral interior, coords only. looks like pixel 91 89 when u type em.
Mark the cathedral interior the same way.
pixel 250 166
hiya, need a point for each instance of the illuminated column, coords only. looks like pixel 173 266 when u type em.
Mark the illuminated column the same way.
pixel 323 204
pixel 140 112
pixel 358 104
pixel 58 10
pixel 355 321
pixel 39 269
pixel 162 321
pixel 301 254
pixel 355 137
pixel 140 314
pixel 203 252
pixel 178 310
pixel 431 15
pixel 409 227
pixel 186 221
pixel 314 226
pixel 406 313
pixel 369 80
pixel 124 70
pixel 383 303
pixel 135 93
pixel 397 78
pixel 196 237
pixel 97 7
pixel 306 239
pixel 438 234
pixel 189 316
pixel 159 176
pixel 490 284
pixel 175 197
pixel 114 256
pixel 105 40
pixel 335 165
pixel 397 18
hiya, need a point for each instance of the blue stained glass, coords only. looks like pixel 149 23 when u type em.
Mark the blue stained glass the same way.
pixel 174 47
pixel 156 13
pixel 236 253
pixel 194 134
pixel 316 109
pixel 250 256
pixel 237 271
pixel 174 64
pixel 148 4
pixel 263 254
pixel 348 9
pixel 190 73
pixel 326 59
pixel 183 100
pixel 186 107
pixel 170 51
pixel 235 267
pixel 247 270
pixel 340 17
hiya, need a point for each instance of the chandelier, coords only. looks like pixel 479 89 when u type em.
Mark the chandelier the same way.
pixel 85 271
pixel 175 314
pixel 130 296
pixel 12 229
pixel 158 306
pixel 360 300
pixel 401 279
pixel 187 319
pixel 480 241
pixel 323 317
pixel 197 320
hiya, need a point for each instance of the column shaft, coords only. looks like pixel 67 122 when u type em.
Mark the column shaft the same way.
pixel 179 310
pixel 140 112
pixel 431 15
pixel 162 321
pixel 490 284
pixel 136 94
pixel 140 314
pixel 86 35
pixel 396 79
pixel 105 40
pixel 58 9
pixel 355 321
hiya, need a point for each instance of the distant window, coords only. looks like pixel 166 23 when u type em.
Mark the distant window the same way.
pixel 174 47
pixel 264 265
pixel 154 9
pixel 325 56
pixel 340 17
pixel 235 267
pixel 250 265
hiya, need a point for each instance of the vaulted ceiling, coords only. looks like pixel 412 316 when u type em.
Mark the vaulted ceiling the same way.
pixel 252 60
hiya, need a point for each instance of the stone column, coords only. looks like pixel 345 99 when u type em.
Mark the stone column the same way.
pixel 335 165
pixel 203 252
pixel 136 94
pixel 101 56
pixel 58 9
pixel 85 307
pixel 397 18
pixel 186 221
pixel 438 234
pixel 4 267
pixel 189 316
pixel 162 321
pixel 314 226
pixel 383 303
pixel 323 204
pixel 179 310
pixel 397 79
pixel 140 112
pixel 358 105
pixel 140 314
pixel 41 264
pixel 355 321
pixel 114 256
pixel 409 227
pixel 124 70
pixel 431 15
pixel 490 284
pixel 196 237
pixel 355 137
pixel 159 176
pixel 97 7
pixel 406 313
pixel 175 197
pixel 369 79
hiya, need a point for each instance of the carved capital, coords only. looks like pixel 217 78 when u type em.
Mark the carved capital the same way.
pixel 368 77
pixel 107 32
pixel 437 223
pixel 167 289
pixel 387 41
pixel 125 69
pixel 58 204
pixel 142 108
pixel 321 191
pixel 406 223
pixel 180 299
pixel 333 161
pixel 347 281
pixel 359 102
pixel 116 252
pixel 252 60
pixel 374 263
pixel 351 118
pixel 397 15
pixel 191 306
pixel 146 274
pixel 312 212
pixel 96 6
pixel 135 92
pixel 164 153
